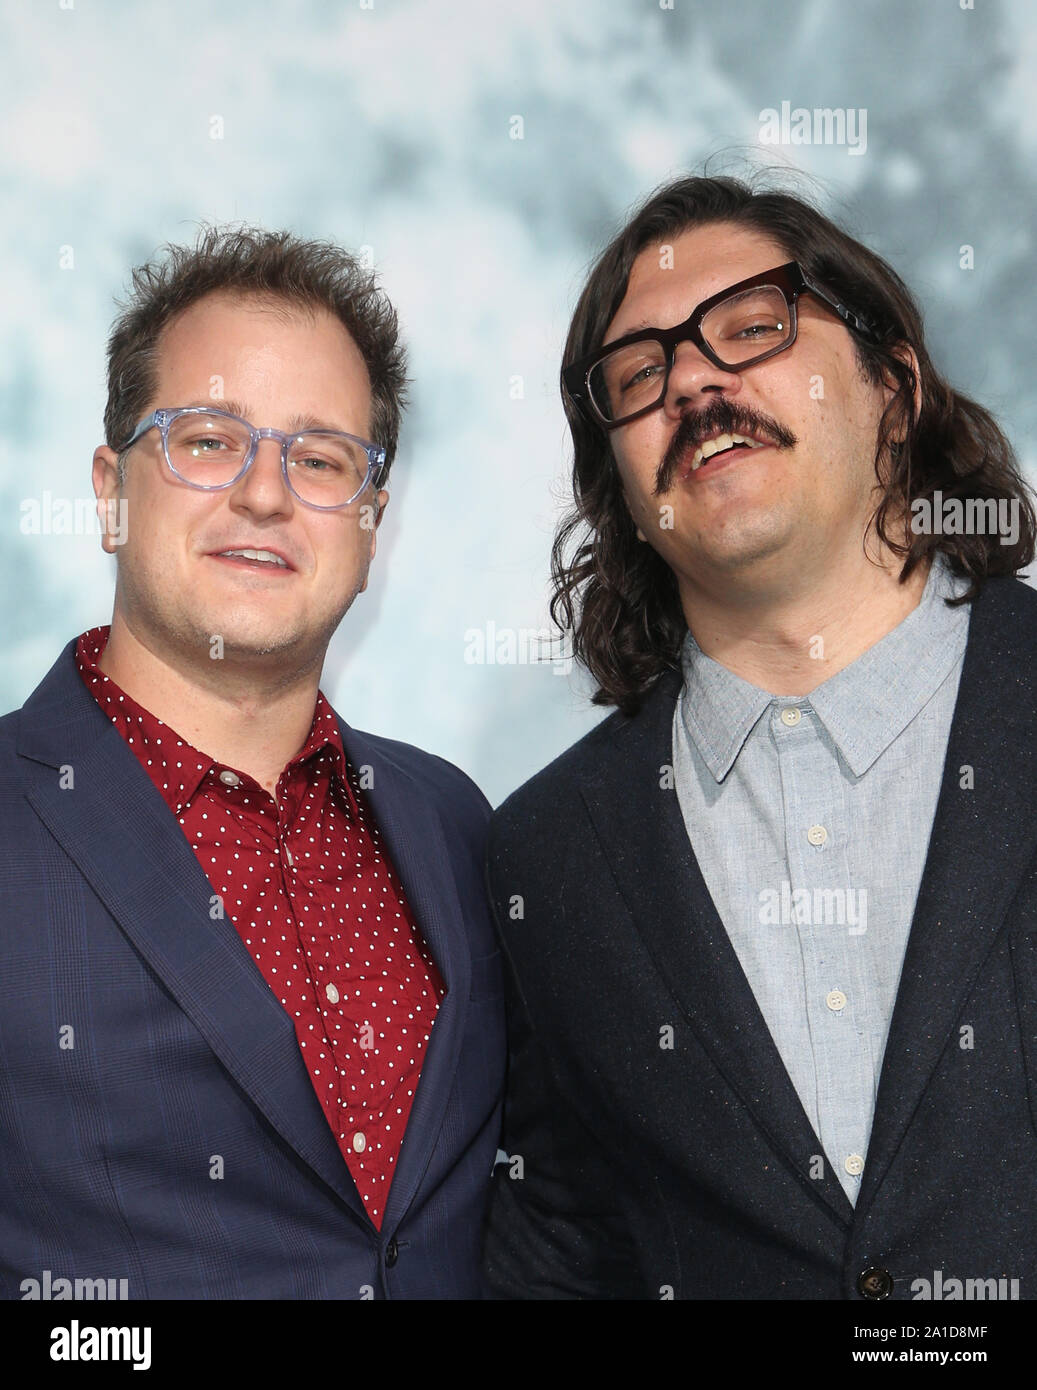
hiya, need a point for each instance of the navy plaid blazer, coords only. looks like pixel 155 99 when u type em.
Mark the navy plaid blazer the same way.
pixel 157 1122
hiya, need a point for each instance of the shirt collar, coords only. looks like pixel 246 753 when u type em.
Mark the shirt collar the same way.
pixel 863 708
pixel 325 733
pixel 179 769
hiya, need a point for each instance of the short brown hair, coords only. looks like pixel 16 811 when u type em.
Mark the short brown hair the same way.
pixel 250 261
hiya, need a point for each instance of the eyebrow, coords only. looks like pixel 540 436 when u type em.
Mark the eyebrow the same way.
pixel 644 323
pixel 648 323
pixel 296 425
pixel 636 328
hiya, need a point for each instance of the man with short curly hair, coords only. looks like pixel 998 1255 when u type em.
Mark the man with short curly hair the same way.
pixel 252 1045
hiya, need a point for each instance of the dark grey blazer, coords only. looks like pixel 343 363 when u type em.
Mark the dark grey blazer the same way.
pixel 648 1171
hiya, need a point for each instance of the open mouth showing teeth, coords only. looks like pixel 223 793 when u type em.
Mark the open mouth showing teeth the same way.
pixel 720 445
pixel 266 557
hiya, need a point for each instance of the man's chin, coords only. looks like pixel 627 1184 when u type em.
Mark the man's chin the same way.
pixel 250 640
pixel 257 645
pixel 741 549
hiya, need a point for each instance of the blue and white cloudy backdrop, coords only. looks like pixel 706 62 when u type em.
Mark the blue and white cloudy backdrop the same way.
pixel 483 152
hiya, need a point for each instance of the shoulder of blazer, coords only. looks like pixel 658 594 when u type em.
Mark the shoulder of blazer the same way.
pixel 59 709
pixel 458 799
pixel 1004 629
pixel 628 738
pixel 1004 597
pixel 62 701
pixel 8 735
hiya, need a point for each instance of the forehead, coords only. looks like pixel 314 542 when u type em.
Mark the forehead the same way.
pixel 259 336
pixel 672 275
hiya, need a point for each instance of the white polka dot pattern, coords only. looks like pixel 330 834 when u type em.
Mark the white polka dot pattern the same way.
pixel 321 910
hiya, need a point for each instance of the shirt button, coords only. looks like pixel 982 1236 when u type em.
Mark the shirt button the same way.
pixel 791 716
pixel 817 834
pixel 229 779
pixel 331 994
pixel 854 1165
pixel 835 1000
pixel 875 1284
pixel 359 1142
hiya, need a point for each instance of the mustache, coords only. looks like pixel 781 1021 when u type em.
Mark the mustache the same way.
pixel 723 417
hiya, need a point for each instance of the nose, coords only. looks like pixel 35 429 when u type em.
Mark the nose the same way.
pixel 263 491
pixel 694 375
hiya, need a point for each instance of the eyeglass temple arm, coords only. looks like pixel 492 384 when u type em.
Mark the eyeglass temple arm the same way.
pixel 142 427
pixel 862 325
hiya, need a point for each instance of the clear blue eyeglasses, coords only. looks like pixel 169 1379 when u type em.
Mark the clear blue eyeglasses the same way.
pixel 212 450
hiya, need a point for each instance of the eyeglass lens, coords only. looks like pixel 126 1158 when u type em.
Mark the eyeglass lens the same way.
pixel 739 330
pixel 210 450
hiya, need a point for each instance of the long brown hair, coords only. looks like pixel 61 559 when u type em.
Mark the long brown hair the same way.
pixel 614 595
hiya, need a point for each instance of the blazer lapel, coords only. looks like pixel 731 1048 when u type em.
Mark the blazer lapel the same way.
pixel 413 834
pixel 646 844
pixel 983 840
pixel 114 825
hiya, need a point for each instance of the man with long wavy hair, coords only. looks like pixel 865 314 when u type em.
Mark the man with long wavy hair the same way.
pixel 772 926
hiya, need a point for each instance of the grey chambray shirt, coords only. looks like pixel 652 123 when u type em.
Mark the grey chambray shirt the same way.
pixel 810 819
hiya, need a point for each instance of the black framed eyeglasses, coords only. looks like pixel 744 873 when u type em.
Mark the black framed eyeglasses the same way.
pixel 742 325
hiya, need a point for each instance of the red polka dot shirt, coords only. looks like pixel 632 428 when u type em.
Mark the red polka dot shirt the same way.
pixel 313 896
